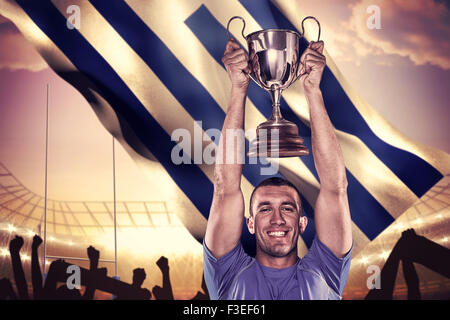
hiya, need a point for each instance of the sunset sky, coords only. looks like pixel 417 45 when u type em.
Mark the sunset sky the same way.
pixel 402 70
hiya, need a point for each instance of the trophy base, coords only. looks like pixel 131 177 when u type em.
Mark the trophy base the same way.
pixel 277 139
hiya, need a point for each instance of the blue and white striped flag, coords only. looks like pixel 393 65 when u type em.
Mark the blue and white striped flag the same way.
pixel 150 67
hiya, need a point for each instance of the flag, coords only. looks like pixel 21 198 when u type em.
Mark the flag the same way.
pixel 150 67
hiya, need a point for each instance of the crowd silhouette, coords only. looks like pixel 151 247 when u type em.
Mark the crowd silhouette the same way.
pixel 409 249
pixel 55 286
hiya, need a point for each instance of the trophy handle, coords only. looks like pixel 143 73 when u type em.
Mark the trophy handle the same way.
pixel 228 26
pixel 303 28
pixel 243 36
pixel 302 34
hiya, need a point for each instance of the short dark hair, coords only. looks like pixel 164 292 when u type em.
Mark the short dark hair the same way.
pixel 278 182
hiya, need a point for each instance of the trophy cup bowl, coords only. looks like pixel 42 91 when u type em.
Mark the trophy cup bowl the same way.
pixel 274 61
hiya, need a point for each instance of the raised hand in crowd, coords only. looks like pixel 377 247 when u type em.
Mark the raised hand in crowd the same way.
pixel 164 293
pixel 19 276
pixel 36 275
pixel 94 256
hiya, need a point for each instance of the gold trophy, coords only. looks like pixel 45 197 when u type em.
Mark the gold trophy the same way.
pixel 274 61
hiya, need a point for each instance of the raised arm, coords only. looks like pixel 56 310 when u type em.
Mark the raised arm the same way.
pixel 94 256
pixel 36 275
pixel 164 293
pixel 227 210
pixel 19 276
pixel 332 213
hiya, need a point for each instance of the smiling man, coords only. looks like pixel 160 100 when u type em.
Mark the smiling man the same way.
pixel 275 207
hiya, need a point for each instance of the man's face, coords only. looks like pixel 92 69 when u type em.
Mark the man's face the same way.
pixel 276 219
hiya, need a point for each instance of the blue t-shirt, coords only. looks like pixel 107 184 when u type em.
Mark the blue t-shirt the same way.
pixel 320 275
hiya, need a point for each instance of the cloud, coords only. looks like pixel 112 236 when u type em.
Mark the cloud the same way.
pixel 419 30
pixel 344 45
pixel 341 41
pixel 16 52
